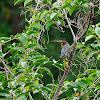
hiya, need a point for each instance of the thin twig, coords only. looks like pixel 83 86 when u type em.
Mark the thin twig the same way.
pixel 89 87
pixel 74 38
pixel 6 67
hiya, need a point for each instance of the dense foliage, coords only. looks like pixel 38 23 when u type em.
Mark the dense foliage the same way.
pixel 23 64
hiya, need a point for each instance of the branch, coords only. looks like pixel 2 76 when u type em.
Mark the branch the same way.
pixel 70 61
pixel 6 75
pixel 74 38
pixel 65 73
pixel 6 67
pixel 89 87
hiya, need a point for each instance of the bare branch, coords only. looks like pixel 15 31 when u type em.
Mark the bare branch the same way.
pixel 74 38
pixel 6 67
pixel 89 88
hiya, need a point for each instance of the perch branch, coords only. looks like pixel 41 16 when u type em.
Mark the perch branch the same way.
pixel 70 61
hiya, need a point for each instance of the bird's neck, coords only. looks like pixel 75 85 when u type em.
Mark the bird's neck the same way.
pixel 63 43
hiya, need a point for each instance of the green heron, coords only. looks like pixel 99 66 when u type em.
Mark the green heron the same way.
pixel 65 51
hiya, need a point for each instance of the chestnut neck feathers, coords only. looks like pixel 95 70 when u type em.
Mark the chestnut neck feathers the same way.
pixel 63 43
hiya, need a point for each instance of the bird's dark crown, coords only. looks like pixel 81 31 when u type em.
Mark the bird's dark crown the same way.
pixel 63 39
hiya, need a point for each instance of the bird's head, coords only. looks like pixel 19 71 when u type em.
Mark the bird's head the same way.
pixel 62 41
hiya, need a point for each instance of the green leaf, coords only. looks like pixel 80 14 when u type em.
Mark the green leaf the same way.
pixel 26 2
pixel 35 91
pixel 98 12
pixel 28 84
pixel 37 26
pixel 33 31
pixel 23 78
pixel 72 9
pixel 81 84
pixel 43 14
pixel 91 71
pixel 64 6
pixel 69 92
pixel 41 69
pixel 85 80
pixel 32 45
pixel 98 57
pixel 98 73
pixel 46 88
pixel 4 93
pixel 91 54
pixel 4 38
pixel 40 47
pixel 91 4
pixel 18 73
pixel 33 53
pixel 98 24
pixel 85 7
pixel 18 1
pixel 89 37
pixel 2 54
pixel 74 84
pixel 97 31
pixel 49 24
pixel 55 5
pixel 19 49
pixel 75 1
pixel 80 45
pixel 68 1
pixel 80 75
pixel 22 39
pixel 5 83
pixel 37 57
pixel 58 65
pixel 85 51
pixel 53 15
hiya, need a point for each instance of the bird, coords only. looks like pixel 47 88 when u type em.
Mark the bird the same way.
pixel 65 51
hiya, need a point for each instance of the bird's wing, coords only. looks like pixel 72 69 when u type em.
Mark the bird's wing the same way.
pixel 65 51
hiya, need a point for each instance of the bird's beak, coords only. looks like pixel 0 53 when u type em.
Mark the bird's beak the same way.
pixel 56 41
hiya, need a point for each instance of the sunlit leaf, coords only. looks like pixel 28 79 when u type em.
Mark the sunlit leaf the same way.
pixel 55 5
pixel 98 12
pixel 80 45
pixel 46 88
pixel 28 84
pixel 98 57
pixel 97 31
pixel 49 24
pixel 18 1
pixel 43 14
pixel 68 1
pixel 89 37
pixel 52 15
pixel 36 26
pixel 18 73
pixel 98 73
pixel 27 2
pixel 64 6
pixel 19 49
pixel 72 9
pixel 82 84
pixel 85 7
pixel 91 71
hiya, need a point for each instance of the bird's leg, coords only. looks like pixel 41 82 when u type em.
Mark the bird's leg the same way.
pixel 66 59
pixel 64 64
